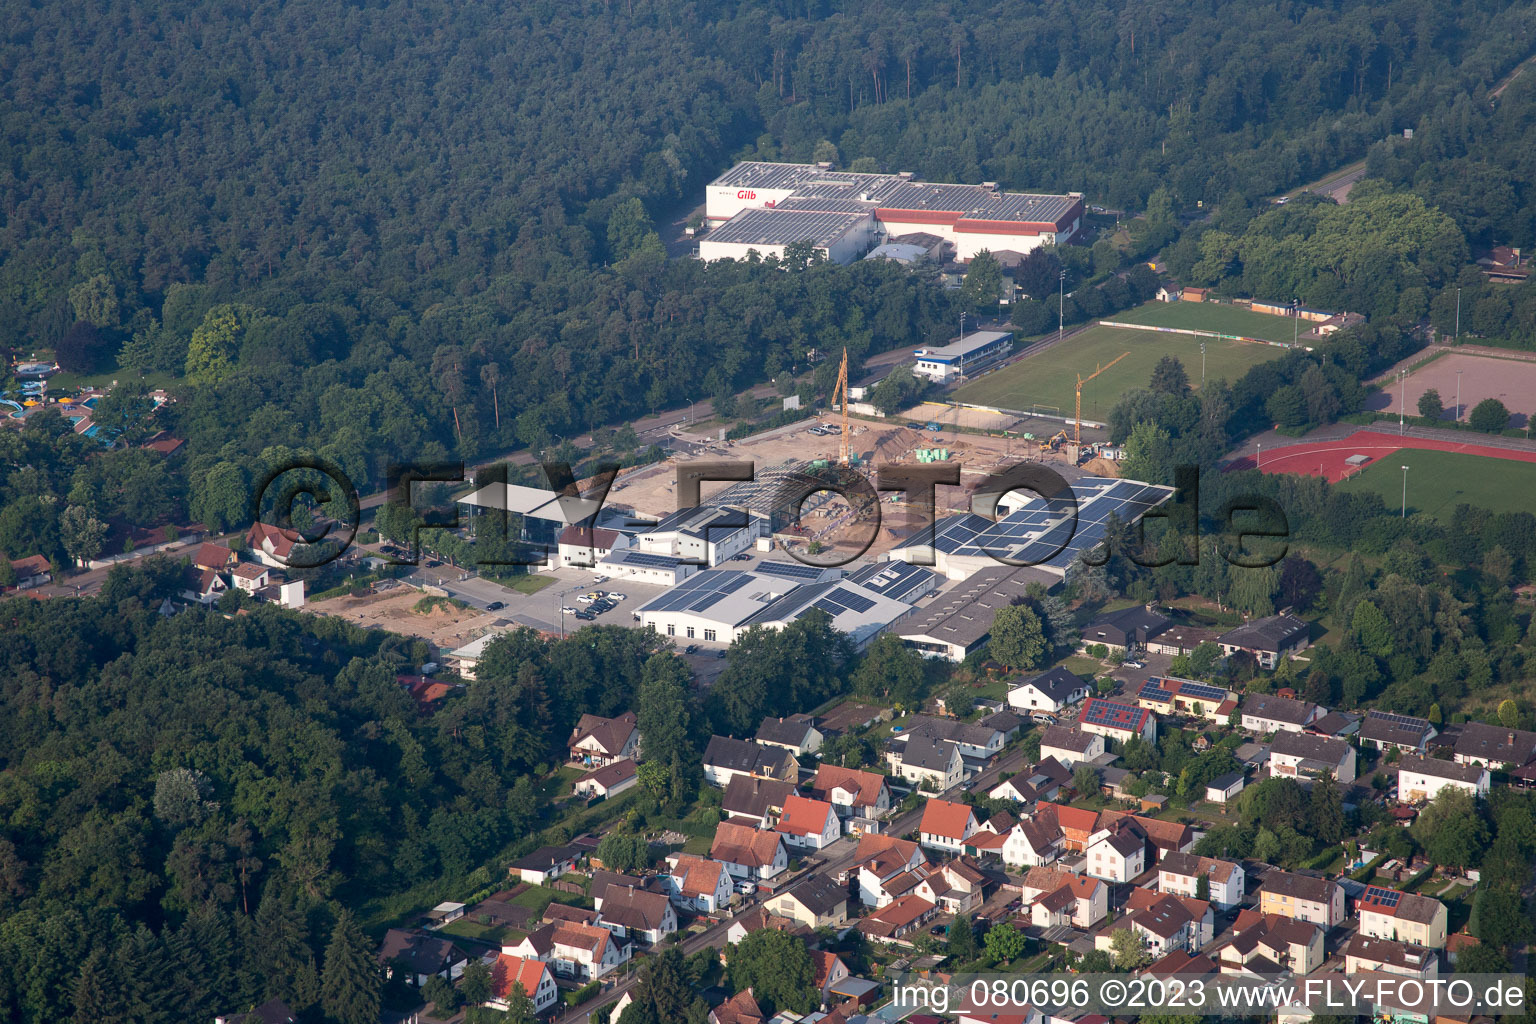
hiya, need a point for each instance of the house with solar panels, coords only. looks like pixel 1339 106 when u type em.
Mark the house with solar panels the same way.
pixel 1385 730
pixel 1047 532
pixel 706 535
pixel 1168 695
pixel 1117 721
pixel 1402 917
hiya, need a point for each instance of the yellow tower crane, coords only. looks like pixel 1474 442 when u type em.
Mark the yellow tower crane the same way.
pixel 1077 431
pixel 841 393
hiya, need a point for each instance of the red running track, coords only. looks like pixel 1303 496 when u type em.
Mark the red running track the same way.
pixel 1327 458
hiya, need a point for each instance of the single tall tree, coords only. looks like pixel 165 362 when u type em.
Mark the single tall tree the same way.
pixel 350 984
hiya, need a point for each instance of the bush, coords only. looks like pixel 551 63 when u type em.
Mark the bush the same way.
pixel 1489 416
pixel 582 994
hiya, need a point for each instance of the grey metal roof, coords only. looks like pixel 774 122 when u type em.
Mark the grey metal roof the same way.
pixel 1325 749
pixel 785 227
pixel 896 580
pixel 963 615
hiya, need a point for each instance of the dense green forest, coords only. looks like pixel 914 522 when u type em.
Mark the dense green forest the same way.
pixel 342 227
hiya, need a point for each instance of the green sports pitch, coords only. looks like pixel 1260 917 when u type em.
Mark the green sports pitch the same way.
pixel 1439 481
pixel 1047 381
pixel 1209 316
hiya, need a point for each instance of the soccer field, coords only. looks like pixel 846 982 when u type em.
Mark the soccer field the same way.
pixel 1050 378
pixel 1207 316
pixel 1439 481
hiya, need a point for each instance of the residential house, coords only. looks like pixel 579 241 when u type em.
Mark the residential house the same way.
pixel 1494 746
pixel 1055 897
pixel 830 970
pixel 581 952
pixel 698 882
pixel 250 577
pixel 203 586
pixel 1178 639
pixel 1300 755
pixel 797 734
pixel 1336 724
pixel 809 824
pixel 598 741
pixel 1032 842
pixel 1365 953
pixel 946 825
pixel 1264 713
pixel 1068 744
pixel 638 915
pixel 1402 916
pixel 898 919
pixel 725 758
pixel 1169 695
pixel 1179 964
pixel 609 780
pixel 748 854
pixel 1267 943
pixel 878 859
pixel 1117 853
pixel 931 764
pixel 273 1011
pixel 1163 923
pixel 1116 721
pixel 1386 731
pixel 1042 781
pixel 1319 901
pixel 601 881
pixel 976 741
pixel 1268 639
pixel 851 792
pixel 1420 779
pixel 1180 874
pixel 534 975
pixel 214 556
pixel 271 546
pixel 956 887
pixel 815 902
pixel 1050 691
pixel 1163 837
pixel 1225 787
pixel 756 920
pixel 1124 629
pixel 420 957
pixel 760 802
pixel 546 864
pixel 1077 824
pixel 741 1008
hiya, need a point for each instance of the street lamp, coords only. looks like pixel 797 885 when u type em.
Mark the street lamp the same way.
pixel 1295 322
pixel 691 418
pixel 1405 493
pixel 1458 396
pixel 1202 365
pixel 1258 458
pixel 1402 397
pixel 1458 325
pixel 1061 306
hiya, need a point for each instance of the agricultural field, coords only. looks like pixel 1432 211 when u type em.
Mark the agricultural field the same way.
pixel 1439 481
pixel 1208 316
pixel 1048 380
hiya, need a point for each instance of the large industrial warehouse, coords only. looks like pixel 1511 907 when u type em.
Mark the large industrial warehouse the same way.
pixel 763 207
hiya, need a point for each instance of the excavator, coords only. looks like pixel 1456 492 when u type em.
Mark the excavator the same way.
pixel 1050 444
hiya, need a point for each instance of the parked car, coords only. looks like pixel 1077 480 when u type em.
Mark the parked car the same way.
pixel 494 606
pixel 691 648
pixel 585 616
pixel 568 609
pixel 615 597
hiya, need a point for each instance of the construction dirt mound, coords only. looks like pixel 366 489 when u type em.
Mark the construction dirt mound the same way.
pixel 1101 467
pixel 897 443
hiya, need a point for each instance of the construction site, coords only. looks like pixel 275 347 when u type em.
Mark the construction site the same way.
pixel 791 461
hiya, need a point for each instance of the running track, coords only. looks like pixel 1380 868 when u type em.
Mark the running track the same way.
pixel 1327 458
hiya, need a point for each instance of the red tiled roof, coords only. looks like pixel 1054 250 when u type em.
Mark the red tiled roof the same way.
pixel 509 970
pixel 743 844
pixel 945 818
pixel 804 816
pixel 866 784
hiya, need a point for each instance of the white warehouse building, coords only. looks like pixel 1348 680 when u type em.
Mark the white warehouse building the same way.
pixel 963 356
pixel 765 206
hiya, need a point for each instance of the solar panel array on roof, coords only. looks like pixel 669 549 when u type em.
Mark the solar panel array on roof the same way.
pixel 1045 532
pixel 790 570
pixel 646 560
pixel 699 591
pixel 900 581
pixel 844 599
pixel 1200 691
pixel 1407 721
pixel 1382 896
pixel 1106 712
pixel 1151 691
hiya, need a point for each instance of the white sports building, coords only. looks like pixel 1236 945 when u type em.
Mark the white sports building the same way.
pixel 764 207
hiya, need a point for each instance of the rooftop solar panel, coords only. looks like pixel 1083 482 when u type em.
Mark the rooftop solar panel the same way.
pixel 1395 719
pixel 1202 692
pixel 1151 691
pixel 790 570
pixel 853 600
